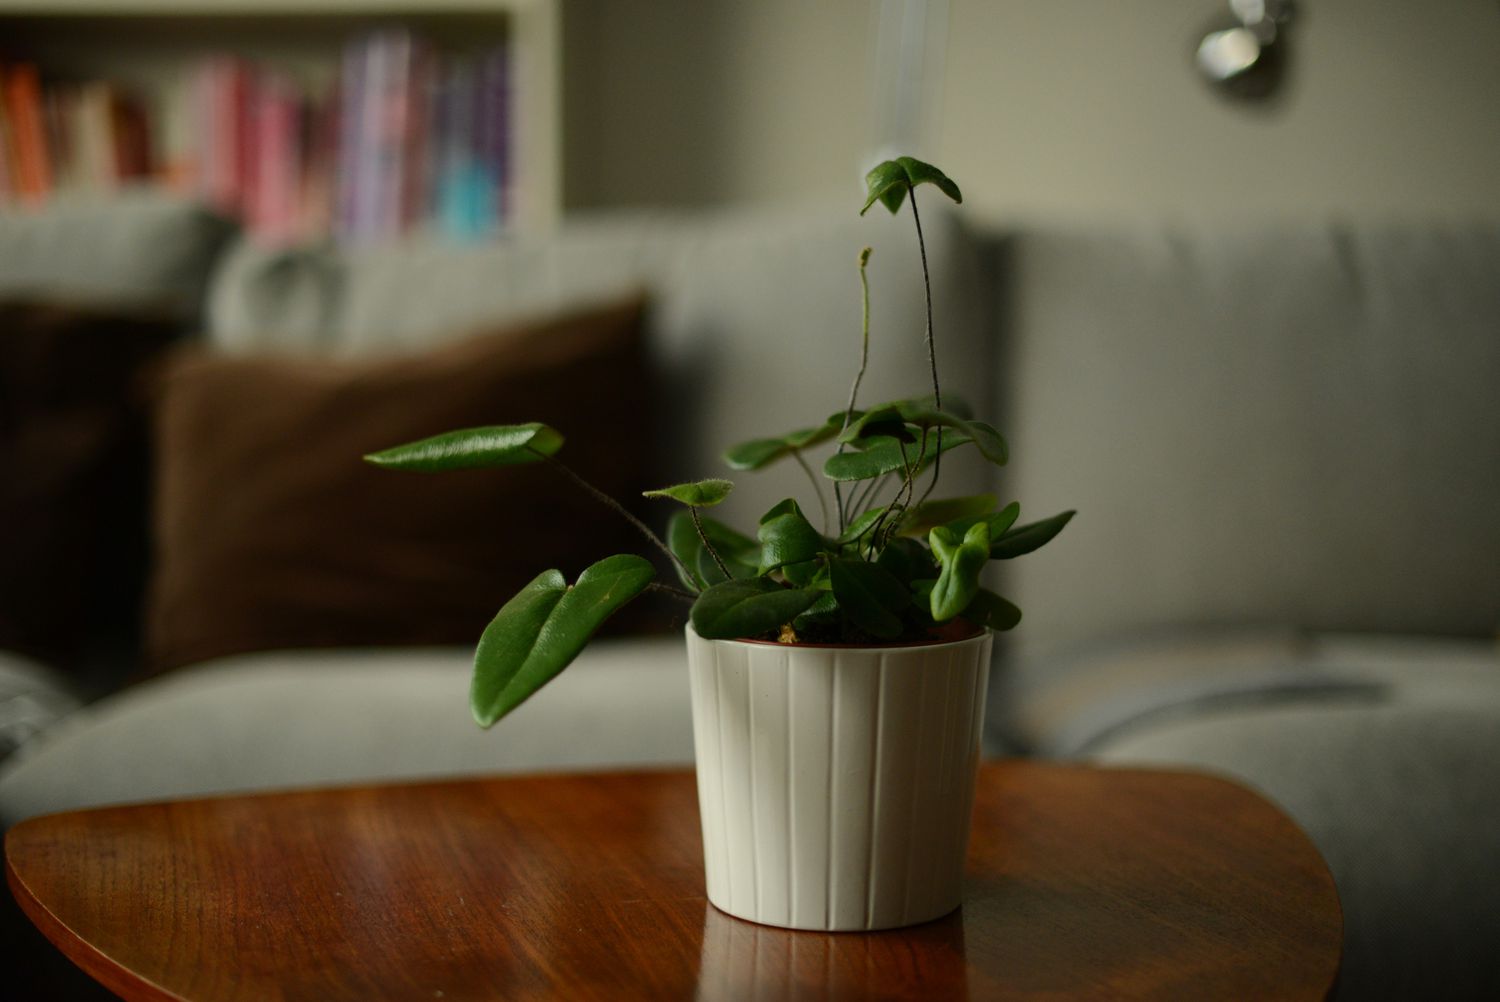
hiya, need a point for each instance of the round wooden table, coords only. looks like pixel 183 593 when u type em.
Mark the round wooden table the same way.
pixel 1083 883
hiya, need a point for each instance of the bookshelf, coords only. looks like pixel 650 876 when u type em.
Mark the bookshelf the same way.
pixel 147 45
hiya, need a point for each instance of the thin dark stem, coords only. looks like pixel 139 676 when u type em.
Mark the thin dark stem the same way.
pixel 908 474
pixel 864 361
pixel 817 487
pixel 937 394
pixel 672 590
pixel 858 505
pixel 618 508
pixel 698 524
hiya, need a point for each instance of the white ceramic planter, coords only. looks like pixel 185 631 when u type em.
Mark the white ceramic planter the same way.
pixel 836 784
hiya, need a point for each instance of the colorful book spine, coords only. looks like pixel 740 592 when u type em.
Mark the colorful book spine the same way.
pixel 23 106
pixel 401 140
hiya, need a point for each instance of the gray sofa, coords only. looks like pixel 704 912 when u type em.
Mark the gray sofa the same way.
pixel 1284 445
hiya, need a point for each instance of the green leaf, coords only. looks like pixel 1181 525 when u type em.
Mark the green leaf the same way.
pixel 470 448
pixel 823 612
pixel 756 453
pixel 888 182
pixel 997 522
pixel 908 560
pixel 961 562
pixel 787 537
pixel 540 631
pixel 699 494
pixel 710 573
pixel 739 551
pixel 879 422
pixel 748 608
pixel 989 609
pixel 1018 542
pixel 683 541
pixel 872 598
pixel 860 526
pixel 877 456
pixel 930 514
pixel 915 417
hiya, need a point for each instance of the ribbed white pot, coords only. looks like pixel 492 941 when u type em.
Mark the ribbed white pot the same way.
pixel 836 784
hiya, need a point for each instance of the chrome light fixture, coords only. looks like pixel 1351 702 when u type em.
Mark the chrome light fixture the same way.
pixel 1247 59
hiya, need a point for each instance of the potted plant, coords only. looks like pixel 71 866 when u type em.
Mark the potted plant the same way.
pixel 838 672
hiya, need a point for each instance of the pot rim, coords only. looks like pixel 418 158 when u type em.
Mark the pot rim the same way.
pixel 924 645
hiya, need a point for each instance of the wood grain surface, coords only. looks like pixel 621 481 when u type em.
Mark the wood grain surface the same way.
pixel 1083 883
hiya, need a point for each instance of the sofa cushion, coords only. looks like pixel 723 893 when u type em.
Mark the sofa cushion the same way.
pixel 1295 426
pixel 303 718
pixel 138 244
pixel 272 533
pixel 756 318
pixel 73 478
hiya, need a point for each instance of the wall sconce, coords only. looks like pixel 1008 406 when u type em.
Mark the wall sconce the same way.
pixel 1247 59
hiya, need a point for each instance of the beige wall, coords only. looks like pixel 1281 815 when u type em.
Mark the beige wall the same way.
pixel 1062 108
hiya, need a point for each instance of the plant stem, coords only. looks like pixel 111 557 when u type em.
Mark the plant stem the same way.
pixel 698 524
pixel 672 590
pixel 864 361
pixel 937 393
pixel 817 488
pixel 619 509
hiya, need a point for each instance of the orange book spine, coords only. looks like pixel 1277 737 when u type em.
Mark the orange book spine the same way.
pixel 23 94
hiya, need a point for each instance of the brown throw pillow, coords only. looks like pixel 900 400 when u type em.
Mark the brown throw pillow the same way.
pixel 272 533
pixel 73 478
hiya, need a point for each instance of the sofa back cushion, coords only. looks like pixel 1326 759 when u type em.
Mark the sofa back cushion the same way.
pixel 1287 426
pixel 272 533
pixel 755 326
pixel 137 245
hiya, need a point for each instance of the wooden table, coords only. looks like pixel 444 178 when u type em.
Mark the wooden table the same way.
pixel 1083 883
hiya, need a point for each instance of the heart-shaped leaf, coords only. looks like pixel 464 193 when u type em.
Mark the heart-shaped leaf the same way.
pixel 989 609
pixel 710 573
pixel 998 522
pixel 748 608
pixel 469 448
pixel 540 631
pixel 930 514
pixel 787 537
pixel 878 456
pixel 889 181
pixel 759 452
pixel 872 598
pixel 1023 540
pixel 698 494
pixel 737 550
pixel 961 561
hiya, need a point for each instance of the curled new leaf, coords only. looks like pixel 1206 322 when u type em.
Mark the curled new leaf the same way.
pixel 748 608
pixel 468 448
pixel 961 561
pixel 699 494
pixel 540 631
pixel 888 182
